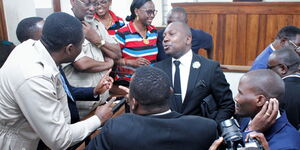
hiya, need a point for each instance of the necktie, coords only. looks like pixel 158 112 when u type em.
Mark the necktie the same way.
pixel 66 87
pixel 177 86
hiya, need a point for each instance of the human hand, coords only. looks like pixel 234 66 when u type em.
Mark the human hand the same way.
pixel 138 62
pixel 104 84
pixel 90 33
pixel 104 112
pixel 216 144
pixel 260 137
pixel 266 117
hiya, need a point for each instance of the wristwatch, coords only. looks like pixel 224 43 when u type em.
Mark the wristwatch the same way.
pixel 102 42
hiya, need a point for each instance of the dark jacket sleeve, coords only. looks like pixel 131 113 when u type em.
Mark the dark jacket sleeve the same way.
pixel 222 95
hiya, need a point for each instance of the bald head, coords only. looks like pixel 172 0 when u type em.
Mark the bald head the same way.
pixel 284 61
pixel 255 88
pixel 265 82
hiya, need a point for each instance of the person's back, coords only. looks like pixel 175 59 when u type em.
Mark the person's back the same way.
pixel 292 94
pixel 171 131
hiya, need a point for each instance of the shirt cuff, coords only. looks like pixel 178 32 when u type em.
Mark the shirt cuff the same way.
pixel 93 122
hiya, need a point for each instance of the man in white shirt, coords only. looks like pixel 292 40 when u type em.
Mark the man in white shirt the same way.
pixel 33 104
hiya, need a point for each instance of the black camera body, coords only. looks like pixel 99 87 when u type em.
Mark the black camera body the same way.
pixel 233 138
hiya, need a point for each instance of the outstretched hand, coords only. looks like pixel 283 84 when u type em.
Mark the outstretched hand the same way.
pixel 104 84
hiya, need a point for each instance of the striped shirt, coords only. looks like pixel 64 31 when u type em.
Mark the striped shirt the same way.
pixel 134 47
pixel 117 23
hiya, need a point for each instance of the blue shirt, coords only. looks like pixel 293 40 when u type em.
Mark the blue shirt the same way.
pixel 280 136
pixel 261 61
pixel 200 39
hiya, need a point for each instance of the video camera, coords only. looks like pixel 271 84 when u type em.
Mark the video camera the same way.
pixel 233 139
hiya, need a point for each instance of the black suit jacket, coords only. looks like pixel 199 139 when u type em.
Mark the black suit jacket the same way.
pixel 291 101
pixel 171 131
pixel 203 81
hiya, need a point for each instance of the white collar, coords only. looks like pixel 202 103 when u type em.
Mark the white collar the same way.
pixel 163 113
pixel 272 47
pixel 185 59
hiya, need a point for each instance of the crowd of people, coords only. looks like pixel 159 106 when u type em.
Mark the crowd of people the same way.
pixel 68 67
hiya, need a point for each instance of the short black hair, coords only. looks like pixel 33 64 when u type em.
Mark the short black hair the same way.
pixel 151 87
pixel 61 29
pixel 288 57
pixel 27 28
pixel 6 48
pixel 136 4
pixel 288 32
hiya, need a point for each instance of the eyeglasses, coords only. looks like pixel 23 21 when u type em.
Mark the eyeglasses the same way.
pixel 150 12
pixel 95 4
pixel 297 48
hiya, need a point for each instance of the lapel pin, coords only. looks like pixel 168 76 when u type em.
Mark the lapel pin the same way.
pixel 196 64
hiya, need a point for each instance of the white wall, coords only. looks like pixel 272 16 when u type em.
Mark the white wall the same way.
pixel 15 11
pixel 233 79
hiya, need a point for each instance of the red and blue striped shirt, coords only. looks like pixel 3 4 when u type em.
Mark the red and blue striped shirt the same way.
pixel 134 47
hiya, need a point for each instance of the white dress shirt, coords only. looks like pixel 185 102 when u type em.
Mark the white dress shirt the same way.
pixel 33 103
pixel 185 65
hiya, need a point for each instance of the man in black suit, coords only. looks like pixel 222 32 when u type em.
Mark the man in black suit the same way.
pixel 194 77
pixel 152 125
pixel 285 62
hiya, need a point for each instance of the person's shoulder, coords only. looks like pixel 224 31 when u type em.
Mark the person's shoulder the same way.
pixel 162 63
pixel 199 122
pixel 198 32
pixel 124 29
pixel 204 60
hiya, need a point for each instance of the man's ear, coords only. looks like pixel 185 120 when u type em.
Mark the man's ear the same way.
pixel 283 41
pixel 189 40
pixel 283 69
pixel 134 104
pixel 69 49
pixel 260 100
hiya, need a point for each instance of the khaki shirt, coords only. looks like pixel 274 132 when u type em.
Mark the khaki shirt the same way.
pixel 33 104
pixel 84 79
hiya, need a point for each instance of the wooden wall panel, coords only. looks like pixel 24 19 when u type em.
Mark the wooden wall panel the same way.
pixel 241 30
pixel 3 31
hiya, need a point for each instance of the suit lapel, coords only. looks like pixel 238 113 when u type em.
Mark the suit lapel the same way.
pixel 192 79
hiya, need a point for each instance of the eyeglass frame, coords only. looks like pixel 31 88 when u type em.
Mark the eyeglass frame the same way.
pixel 147 11
pixel 297 48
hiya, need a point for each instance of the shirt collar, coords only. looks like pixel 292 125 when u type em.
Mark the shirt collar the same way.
pixel 272 47
pixel 185 60
pixel 163 113
pixel 133 30
pixel 46 57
